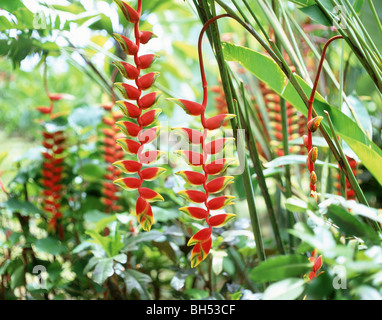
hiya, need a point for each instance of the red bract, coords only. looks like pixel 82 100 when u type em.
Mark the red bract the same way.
pixel 349 192
pixel 52 168
pixel 296 122
pixel 138 137
pixel 52 174
pixel 316 262
pixel 112 154
pixel 313 123
pixel 202 240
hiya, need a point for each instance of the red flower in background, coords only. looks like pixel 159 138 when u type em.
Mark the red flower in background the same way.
pixel 52 170
pixel 316 262
pixel 350 194
pixel 112 152
pixel 296 122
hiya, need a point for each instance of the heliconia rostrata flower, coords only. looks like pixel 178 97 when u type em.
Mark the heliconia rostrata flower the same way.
pixel 136 134
pixel 312 125
pixel 316 262
pixel 202 240
pixel 112 152
pixel 296 122
pixel 52 170
pixel 202 159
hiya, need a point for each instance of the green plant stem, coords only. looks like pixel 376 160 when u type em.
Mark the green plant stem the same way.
pixel 279 32
pixel 376 17
pixel 277 57
pixel 250 194
pixel 357 49
pixel 285 141
pixel 345 163
pixel 232 107
pixel 238 261
pixel 325 65
pixel 342 175
pixel 262 183
pixel 364 31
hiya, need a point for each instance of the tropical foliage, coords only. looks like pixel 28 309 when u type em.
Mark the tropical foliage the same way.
pixel 265 115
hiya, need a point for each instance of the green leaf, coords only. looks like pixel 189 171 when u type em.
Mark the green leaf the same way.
pixel 196 294
pixel 103 22
pixel 288 289
pixel 23 207
pixel 101 224
pixel 294 159
pixel 304 3
pixel 11 6
pixel 131 242
pixel 360 111
pixel 17 277
pixel 90 171
pixel 296 205
pixel 179 279
pixel 316 14
pixel 321 239
pixel 103 270
pixel 164 215
pixel 74 8
pixel 351 225
pixel 281 267
pixel 5 24
pixel 50 245
pixel 138 281
pixel 166 248
pixel 111 244
pixel 264 68
pixel 358 5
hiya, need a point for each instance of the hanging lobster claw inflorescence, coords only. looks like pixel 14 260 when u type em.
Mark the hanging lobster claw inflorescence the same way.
pixel 135 130
pixel 202 240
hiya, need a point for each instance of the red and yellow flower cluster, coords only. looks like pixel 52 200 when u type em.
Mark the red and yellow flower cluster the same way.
pixel 112 152
pixel 202 240
pixel 52 170
pixel 139 126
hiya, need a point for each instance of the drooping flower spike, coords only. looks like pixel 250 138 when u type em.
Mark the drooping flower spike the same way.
pixel 52 169
pixel 112 152
pixel 296 122
pixel 202 240
pixel 313 123
pixel 137 131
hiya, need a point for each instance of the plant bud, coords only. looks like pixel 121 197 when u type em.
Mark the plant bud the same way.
pixel 314 123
